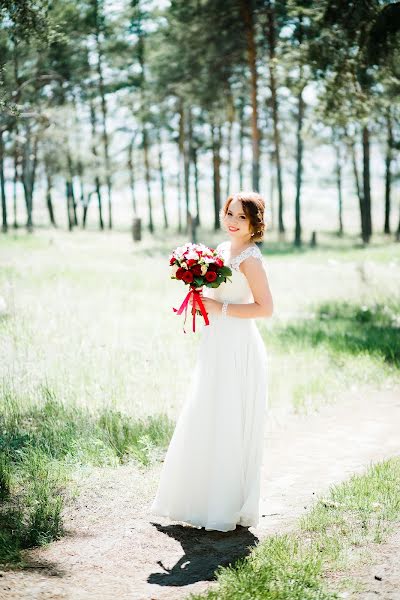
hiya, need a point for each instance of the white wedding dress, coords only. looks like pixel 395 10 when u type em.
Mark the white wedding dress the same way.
pixel 211 473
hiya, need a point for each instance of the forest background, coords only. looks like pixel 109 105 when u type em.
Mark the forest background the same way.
pixel 116 111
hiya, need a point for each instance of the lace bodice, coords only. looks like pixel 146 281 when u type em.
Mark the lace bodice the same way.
pixel 237 290
pixel 251 251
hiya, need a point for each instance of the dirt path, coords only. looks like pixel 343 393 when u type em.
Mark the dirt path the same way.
pixel 114 550
pixel 381 577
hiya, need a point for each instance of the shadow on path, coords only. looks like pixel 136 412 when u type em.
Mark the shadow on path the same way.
pixel 204 551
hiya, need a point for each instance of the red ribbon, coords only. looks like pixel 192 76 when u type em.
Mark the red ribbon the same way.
pixel 196 300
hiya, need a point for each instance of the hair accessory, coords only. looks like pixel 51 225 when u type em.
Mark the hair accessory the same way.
pixel 224 308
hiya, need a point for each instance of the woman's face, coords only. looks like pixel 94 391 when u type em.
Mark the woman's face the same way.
pixel 236 223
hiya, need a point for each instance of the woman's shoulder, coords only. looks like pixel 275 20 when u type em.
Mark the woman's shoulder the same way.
pixel 246 253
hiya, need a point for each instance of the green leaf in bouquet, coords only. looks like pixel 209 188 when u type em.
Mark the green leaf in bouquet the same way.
pixel 198 281
pixel 225 271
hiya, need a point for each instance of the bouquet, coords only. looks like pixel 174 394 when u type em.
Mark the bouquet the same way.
pixel 197 265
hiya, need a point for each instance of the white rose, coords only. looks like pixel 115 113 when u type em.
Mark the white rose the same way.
pixel 184 265
pixel 192 255
pixel 204 269
pixel 174 269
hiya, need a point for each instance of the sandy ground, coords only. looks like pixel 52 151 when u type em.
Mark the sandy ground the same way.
pixel 380 578
pixel 376 577
pixel 114 549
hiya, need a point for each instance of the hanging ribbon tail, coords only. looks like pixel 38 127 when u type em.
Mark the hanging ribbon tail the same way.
pixel 184 307
pixel 194 312
pixel 202 309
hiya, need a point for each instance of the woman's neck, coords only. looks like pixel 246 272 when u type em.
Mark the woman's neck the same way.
pixel 239 245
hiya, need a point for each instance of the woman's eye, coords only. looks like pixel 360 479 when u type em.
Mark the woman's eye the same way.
pixel 242 217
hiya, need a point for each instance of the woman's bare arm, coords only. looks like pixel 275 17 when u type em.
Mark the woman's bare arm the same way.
pixel 257 278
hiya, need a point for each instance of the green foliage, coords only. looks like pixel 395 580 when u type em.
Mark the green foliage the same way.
pixel 41 443
pixel 137 439
pixel 5 475
pixel 27 17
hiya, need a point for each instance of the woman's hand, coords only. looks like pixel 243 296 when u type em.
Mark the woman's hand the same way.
pixel 212 306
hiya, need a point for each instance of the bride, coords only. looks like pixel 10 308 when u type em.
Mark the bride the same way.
pixel 211 472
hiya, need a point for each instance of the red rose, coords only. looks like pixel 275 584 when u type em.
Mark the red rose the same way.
pixel 180 273
pixel 188 277
pixel 172 260
pixel 196 270
pixel 191 262
pixel 219 262
pixel 211 276
pixel 212 267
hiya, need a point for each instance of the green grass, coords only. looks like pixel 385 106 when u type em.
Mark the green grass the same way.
pixel 336 346
pixel 41 442
pixel 296 566
pixel 349 328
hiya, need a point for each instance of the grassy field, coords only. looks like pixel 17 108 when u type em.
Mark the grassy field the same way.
pixel 95 365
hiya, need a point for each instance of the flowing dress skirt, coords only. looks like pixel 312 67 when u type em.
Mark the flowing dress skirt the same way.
pixel 211 473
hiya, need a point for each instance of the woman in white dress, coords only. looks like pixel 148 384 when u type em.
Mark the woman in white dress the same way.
pixel 211 473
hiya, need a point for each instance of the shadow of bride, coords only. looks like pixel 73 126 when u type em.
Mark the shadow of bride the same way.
pixel 204 551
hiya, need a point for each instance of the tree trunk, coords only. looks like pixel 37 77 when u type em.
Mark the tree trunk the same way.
pixel 79 164
pixel 162 180
pixel 388 174
pixel 398 231
pixel 29 164
pixel 366 185
pixel 196 185
pixel 49 200
pixel 179 188
pixel 104 111
pixel 16 177
pixel 186 161
pixel 184 153
pixel 352 147
pixel 271 37
pixel 4 226
pixel 16 99
pixel 95 154
pixel 147 177
pixel 241 142
pixel 272 193
pixel 247 16
pixel 71 187
pixel 85 208
pixel 339 187
pixel 299 166
pixel 216 147
pixel 70 213
pixel 299 152
pixel 231 119
pixel 132 175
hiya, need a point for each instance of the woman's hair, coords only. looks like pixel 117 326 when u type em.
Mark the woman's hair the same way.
pixel 253 207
